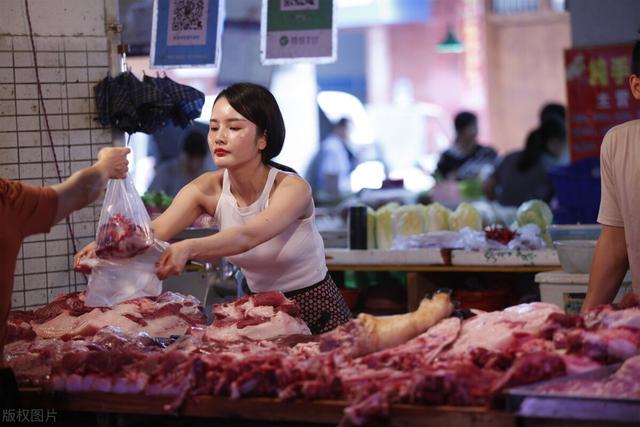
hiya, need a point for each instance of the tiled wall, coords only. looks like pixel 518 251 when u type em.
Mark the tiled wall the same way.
pixel 69 67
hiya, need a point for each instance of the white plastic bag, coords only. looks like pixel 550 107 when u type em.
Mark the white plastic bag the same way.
pixel 470 240
pixel 528 237
pixel 124 229
pixel 466 239
pixel 433 239
pixel 113 281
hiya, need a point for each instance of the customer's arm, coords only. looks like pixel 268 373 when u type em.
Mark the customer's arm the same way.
pixel 608 268
pixel 84 186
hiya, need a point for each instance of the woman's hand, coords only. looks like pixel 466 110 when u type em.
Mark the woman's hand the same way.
pixel 88 251
pixel 173 260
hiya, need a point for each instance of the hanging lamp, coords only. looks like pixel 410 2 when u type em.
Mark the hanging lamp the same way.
pixel 450 43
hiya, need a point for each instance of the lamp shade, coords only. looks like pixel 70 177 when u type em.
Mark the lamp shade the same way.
pixel 450 43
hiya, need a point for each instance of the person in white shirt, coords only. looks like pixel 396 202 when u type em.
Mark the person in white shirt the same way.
pixel 172 175
pixel 330 173
pixel 618 247
pixel 264 211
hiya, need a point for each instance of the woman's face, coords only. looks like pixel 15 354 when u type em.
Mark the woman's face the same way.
pixel 232 138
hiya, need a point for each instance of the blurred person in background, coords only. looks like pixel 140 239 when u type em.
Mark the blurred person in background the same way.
pixel 466 159
pixel 330 170
pixel 555 111
pixel 552 110
pixel 172 175
pixel 524 175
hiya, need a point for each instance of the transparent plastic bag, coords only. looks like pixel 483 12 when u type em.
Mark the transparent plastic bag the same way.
pixel 466 239
pixel 113 281
pixel 470 240
pixel 528 237
pixel 432 239
pixel 124 229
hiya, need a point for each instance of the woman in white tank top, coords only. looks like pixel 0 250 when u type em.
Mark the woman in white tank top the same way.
pixel 264 211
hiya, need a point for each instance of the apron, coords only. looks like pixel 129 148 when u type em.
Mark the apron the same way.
pixel 322 306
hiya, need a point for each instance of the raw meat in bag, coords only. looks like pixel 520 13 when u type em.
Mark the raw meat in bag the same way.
pixel 124 229
pixel 113 281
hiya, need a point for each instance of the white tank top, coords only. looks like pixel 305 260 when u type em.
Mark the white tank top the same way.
pixel 294 259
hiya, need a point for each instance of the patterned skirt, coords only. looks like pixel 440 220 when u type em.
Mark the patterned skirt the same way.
pixel 322 305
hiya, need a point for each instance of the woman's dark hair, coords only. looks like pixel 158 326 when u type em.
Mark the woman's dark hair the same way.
pixel 258 105
pixel 463 120
pixel 537 141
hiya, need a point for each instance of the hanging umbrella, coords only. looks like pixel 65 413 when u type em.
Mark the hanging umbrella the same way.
pixel 115 103
pixel 153 107
pixel 187 101
pixel 131 105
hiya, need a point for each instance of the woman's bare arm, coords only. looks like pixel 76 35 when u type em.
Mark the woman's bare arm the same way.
pixel 289 202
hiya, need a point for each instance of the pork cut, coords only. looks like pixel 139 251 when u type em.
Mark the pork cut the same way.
pixel 120 237
pixel 162 316
pixel 262 316
pixel 367 334
pixel 622 384
pixel 499 330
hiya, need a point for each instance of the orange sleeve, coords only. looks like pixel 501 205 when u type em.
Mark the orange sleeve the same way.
pixel 33 208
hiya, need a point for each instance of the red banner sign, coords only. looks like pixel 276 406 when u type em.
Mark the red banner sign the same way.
pixel 598 95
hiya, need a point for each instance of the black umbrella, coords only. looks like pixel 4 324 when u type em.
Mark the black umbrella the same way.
pixel 187 101
pixel 153 107
pixel 127 104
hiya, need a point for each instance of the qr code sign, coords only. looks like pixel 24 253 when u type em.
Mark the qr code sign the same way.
pixel 187 15
pixel 292 5
pixel 187 22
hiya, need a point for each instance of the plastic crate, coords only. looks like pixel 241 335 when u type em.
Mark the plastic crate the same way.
pixel 577 191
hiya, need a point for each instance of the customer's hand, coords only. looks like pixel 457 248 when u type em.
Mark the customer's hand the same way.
pixel 113 162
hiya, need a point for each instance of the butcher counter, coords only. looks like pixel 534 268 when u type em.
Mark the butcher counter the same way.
pixel 260 409
pixel 112 409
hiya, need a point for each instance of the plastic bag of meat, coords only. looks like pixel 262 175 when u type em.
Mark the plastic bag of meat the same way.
pixel 124 229
pixel 113 281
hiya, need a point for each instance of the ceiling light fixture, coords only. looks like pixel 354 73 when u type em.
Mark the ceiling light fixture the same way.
pixel 450 43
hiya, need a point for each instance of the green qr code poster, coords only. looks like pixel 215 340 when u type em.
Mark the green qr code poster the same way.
pixel 298 31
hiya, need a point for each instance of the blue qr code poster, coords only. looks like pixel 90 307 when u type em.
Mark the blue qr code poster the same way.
pixel 186 33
